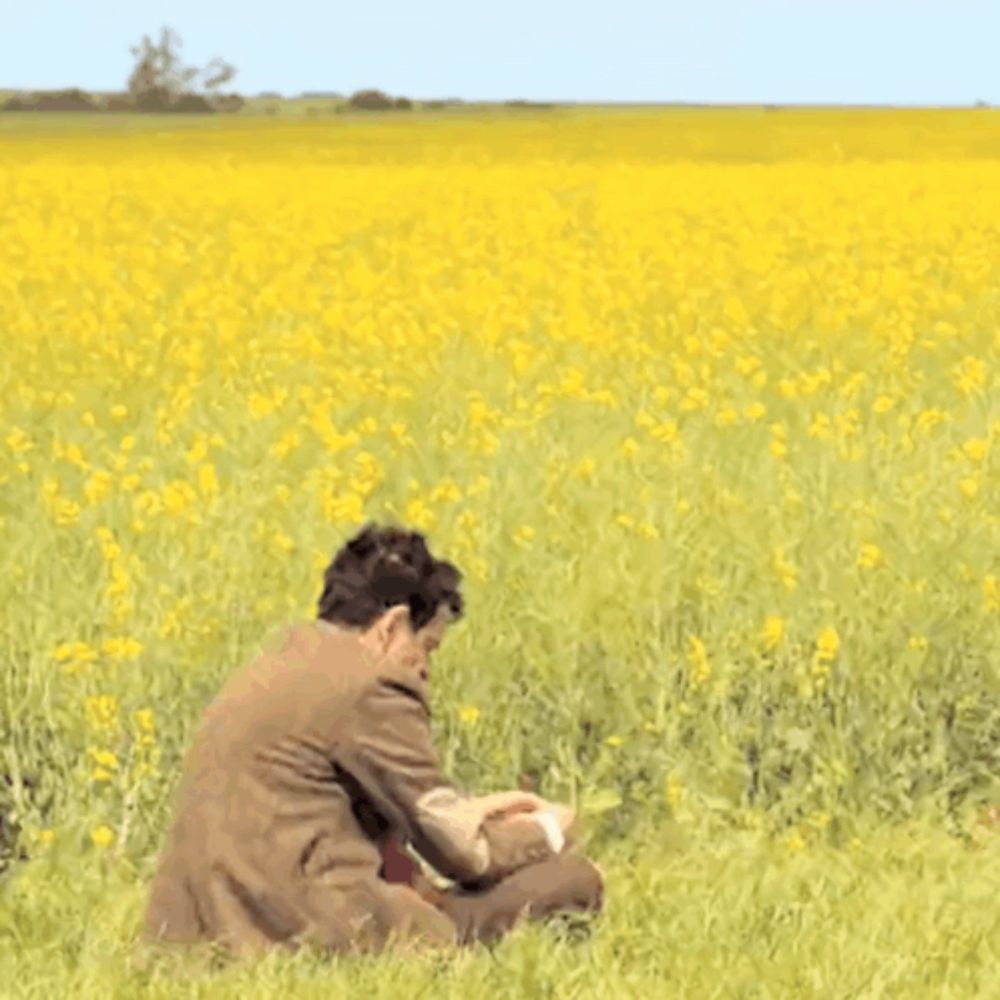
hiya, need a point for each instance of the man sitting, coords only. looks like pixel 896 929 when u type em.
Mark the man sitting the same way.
pixel 312 774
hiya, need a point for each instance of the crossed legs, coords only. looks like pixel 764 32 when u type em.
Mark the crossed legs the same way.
pixel 568 883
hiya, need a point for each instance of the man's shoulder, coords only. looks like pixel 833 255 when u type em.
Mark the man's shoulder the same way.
pixel 301 659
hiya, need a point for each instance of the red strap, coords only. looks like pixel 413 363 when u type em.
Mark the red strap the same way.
pixel 396 865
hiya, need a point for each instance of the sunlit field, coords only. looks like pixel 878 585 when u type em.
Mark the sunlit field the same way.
pixel 705 405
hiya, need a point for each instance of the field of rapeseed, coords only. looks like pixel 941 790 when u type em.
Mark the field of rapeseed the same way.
pixel 706 406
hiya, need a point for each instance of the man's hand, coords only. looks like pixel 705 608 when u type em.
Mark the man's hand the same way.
pixel 564 817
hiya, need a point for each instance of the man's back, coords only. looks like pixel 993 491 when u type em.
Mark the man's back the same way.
pixel 263 812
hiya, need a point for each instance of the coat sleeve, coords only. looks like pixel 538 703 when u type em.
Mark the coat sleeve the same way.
pixel 389 753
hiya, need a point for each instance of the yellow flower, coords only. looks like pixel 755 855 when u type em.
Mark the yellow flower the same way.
pixel 665 431
pixel 289 441
pixel 446 491
pixel 976 449
pixel 122 648
pixel 400 432
pixel 469 714
pixel 614 741
pixel 344 507
pixel 795 843
pixel 73 655
pixel 630 447
pixel 467 520
pixel 144 718
pixel 929 419
pixel 197 452
pixel 827 643
pixel 102 837
pixel 648 531
pixel 870 556
pixel 523 536
pixel 787 572
pixel 19 442
pixel 969 487
pixel 207 482
pixel 969 375
pixel 819 427
pixel 106 762
pixel 772 632
pixel 917 642
pixel 420 515
pixel 260 405
pixel 819 820
pixel 727 416
pixel 482 484
pixel 66 512
pixel 883 404
pixel 102 711
pixel 178 497
pixel 674 791
pixel 119 411
pixel 697 657
pixel 991 592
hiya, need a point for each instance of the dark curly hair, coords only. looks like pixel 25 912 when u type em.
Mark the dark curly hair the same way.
pixel 382 567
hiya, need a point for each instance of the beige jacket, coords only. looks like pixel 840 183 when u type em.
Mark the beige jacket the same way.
pixel 302 766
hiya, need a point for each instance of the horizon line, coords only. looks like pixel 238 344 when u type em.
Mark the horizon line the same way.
pixel 319 95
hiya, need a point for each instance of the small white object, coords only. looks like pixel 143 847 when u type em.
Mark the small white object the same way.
pixel 553 831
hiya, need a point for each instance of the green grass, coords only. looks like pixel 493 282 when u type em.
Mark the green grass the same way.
pixel 907 912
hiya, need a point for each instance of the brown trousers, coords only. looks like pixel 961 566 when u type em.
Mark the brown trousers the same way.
pixel 568 883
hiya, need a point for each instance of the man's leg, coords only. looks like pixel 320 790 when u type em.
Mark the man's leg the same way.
pixel 565 883
pixel 370 914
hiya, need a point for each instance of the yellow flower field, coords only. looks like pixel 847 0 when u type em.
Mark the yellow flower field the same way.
pixel 705 405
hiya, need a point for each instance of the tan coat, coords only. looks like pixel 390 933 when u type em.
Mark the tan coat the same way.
pixel 303 765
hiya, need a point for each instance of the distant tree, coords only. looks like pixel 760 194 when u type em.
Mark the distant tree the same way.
pixel 521 103
pixel 192 104
pixel 73 99
pixel 370 100
pixel 403 104
pixel 118 102
pixel 160 82
pixel 158 79
pixel 217 73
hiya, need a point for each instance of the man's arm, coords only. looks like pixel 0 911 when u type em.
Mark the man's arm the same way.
pixel 388 751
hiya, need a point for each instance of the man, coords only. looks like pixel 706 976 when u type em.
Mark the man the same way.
pixel 313 770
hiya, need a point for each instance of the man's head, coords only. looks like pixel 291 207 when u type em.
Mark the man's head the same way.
pixel 385 584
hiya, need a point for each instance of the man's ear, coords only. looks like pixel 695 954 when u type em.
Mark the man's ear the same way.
pixel 393 623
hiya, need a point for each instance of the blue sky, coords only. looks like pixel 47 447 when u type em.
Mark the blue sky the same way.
pixel 826 51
